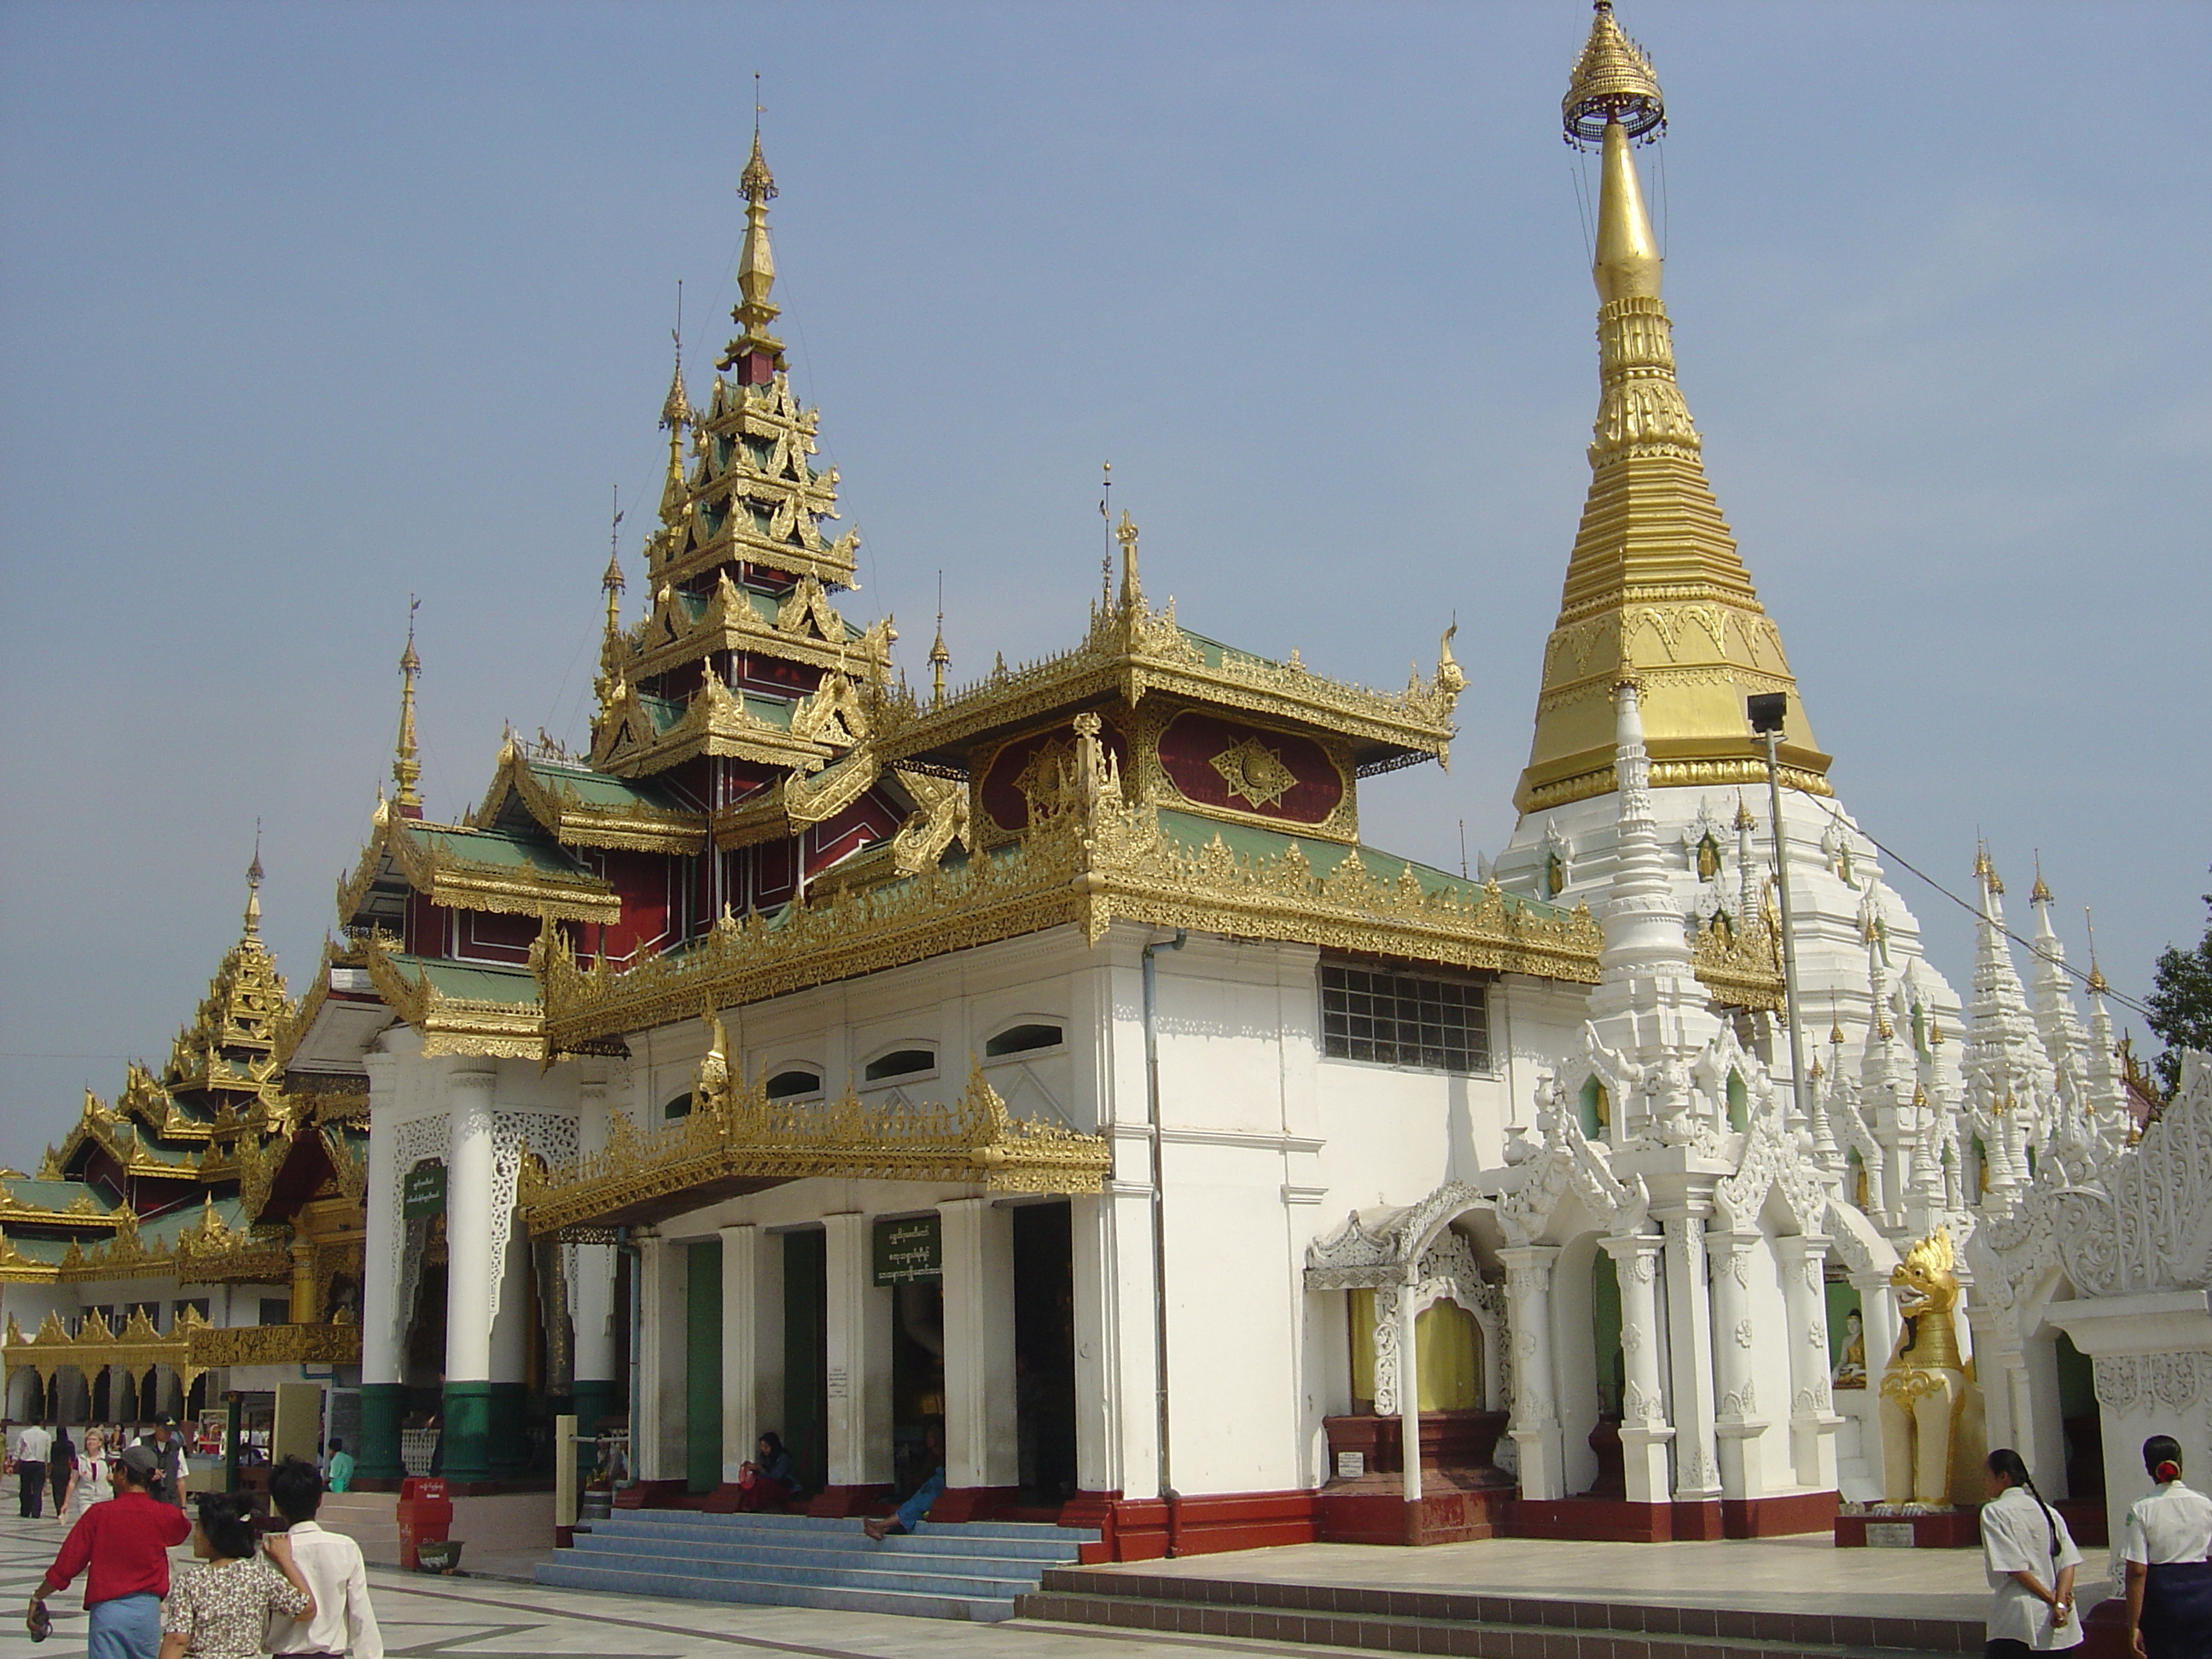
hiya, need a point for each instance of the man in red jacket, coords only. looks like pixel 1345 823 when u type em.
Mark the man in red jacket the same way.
pixel 126 1542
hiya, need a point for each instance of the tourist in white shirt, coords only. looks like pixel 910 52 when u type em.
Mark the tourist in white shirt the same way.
pixel 2030 1559
pixel 2167 1540
pixel 88 1481
pixel 33 1445
pixel 343 1622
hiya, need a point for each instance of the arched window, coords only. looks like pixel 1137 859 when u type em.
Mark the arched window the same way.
pixel 679 1107
pixel 796 1081
pixel 1021 1039
pixel 900 1062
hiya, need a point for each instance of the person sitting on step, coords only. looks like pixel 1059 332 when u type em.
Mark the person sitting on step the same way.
pixel 772 1482
pixel 912 1513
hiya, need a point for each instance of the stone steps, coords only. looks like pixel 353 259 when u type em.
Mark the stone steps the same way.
pixel 970 1571
pixel 1480 1626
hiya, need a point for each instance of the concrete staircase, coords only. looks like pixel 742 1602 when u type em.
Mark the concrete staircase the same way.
pixel 965 1570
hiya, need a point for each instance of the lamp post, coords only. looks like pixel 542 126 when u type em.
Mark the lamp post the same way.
pixel 1767 712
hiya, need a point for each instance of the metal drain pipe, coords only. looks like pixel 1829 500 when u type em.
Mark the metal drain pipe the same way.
pixel 1159 1217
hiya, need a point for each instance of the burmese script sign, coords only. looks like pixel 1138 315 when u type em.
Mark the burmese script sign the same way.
pixel 423 1191
pixel 908 1250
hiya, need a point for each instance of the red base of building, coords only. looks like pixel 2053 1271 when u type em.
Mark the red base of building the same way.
pixel 975 1502
pixel 2085 1519
pixel 651 1495
pixel 1953 1530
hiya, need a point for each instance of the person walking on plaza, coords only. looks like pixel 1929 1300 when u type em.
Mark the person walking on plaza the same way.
pixel 220 1611
pixel 33 1445
pixel 61 1465
pixel 125 1542
pixel 343 1622
pixel 89 1483
pixel 2030 1559
pixel 167 1444
pixel 2166 1544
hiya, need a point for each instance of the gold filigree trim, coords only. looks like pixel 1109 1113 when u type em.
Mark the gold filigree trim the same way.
pixel 454 1025
pixel 137 1347
pixel 457 883
pixel 337 1343
pixel 736 1139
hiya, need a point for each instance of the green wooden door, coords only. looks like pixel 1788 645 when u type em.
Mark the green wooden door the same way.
pixel 807 1354
pixel 703 1366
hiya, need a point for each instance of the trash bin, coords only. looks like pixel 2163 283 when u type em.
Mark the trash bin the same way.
pixel 425 1515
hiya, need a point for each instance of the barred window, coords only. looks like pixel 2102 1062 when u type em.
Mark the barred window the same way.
pixel 1399 1020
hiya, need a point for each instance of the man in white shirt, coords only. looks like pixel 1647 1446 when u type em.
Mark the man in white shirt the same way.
pixel 344 1625
pixel 34 1446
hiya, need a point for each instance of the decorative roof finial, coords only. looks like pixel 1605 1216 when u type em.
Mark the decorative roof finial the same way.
pixel 759 353
pixel 2039 894
pixel 407 764
pixel 2096 985
pixel 939 658
pixel 1612 84
pixel 611 583
pixel 675 412
pixel 1132 592
pixel 253 887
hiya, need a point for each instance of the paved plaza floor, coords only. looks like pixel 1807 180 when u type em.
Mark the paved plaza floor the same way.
pixel 483 1615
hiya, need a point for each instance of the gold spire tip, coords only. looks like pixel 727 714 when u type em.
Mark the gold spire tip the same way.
pixel 1613 83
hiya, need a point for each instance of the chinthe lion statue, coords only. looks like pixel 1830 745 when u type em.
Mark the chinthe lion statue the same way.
pixel 1933 1439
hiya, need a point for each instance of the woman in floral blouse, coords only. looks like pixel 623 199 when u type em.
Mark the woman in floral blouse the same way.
pixel 220 1611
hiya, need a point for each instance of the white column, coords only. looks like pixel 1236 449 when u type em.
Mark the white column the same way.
pixel 1409 1397
pixel 860 1344
pixel 1097 1428
pixel 1644 1431
pixel 1738 1425
pixel 656 1415
pixel 1536 1426
pixel 982 1443
pixel 382 1358
pixel 742 1418
pixel 592 1296
pixel 468 1266
pixel 1812 1418
pixel 1689 1317
pixel 510 1331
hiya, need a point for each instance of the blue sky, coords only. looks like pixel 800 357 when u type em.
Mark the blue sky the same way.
pixel 304 308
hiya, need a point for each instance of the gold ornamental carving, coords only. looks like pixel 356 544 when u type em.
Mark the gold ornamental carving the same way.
pixel 1255 771
pixel 434 860
pixel 1090 860
pixel 454 1025
pixel 136 1348
pixel 337 1342
pixel 736 1138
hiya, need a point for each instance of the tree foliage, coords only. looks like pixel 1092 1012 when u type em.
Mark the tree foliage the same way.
pixel 2180 1004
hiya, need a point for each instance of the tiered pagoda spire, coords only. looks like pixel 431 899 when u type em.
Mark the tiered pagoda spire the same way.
pixel 740 656
pixel 1655 588
pixel 407 761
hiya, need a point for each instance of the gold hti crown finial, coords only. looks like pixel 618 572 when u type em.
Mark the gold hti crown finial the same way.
pixel 2039 894
pixel 755 310
pixel 1613 82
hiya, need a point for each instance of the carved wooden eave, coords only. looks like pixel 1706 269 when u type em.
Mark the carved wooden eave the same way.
pixel 739 1141
pixel 111 1133
pixel 399 849
pixel 454 1025
pixel 81 1213
pixel 716 523
pixel 564 814
pixel 1133 651
pixel 804 628
pixel 1087 867
pixel 1739 967
pixel 627 743
pixel 798 800
pixel 137 1347
pixel 337 1342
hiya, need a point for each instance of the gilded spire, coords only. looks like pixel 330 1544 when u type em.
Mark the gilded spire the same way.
pixel 755 350
pixel 407 764
pixel 939 658
pixel 1654 587
pixel 253 887
pixel 611 583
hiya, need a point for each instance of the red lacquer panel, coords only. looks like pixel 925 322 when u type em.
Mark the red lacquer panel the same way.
pixel 1245 769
